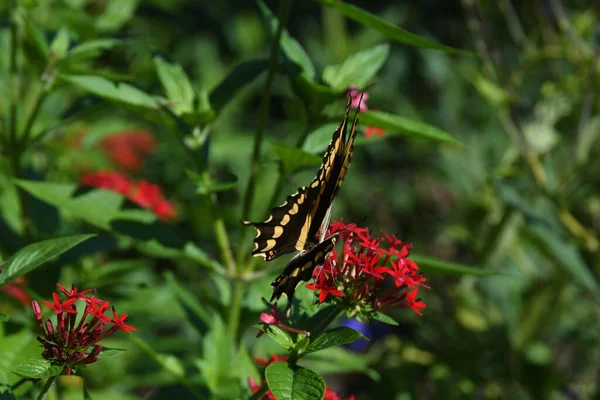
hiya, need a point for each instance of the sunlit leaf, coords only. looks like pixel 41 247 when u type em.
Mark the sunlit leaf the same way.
pixel 118 92
pixel 404 126
pixel 34 255
pixel 293 158
pixel 37 368
pixel 359 69
pixel 290 46
pixel 294 382
pixel 334 337
pixel 60 44
pixel 177 85
pixel 386 28
pixel 435 266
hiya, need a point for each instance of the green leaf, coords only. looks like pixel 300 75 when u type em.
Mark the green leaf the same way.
pixel 435 266
pixel 34 255
pixel 293 158
pixel 35 38
pixel 97 207
pixel 88 50
pixel 120 93
pixel 318 140
pixel 310 91
pixel 108 352
pixel 190 303
pixel 116 14
pixel 60 44
pixel 3 317
pixel 386 319
pixel 358 69
pixel 246 367
pixel 388 29
pixel 404 126
pixel 37 368
pixel 177 85
pixel 493 93
pixel 290 46
pixel 242 75
pixel 278 335
pixel 294 382
pixel 334 337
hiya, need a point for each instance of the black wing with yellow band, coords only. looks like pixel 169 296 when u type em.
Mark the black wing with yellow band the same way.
pixel 294 225
pixel 301 268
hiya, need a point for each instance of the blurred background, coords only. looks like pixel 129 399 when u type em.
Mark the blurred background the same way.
pixel 519 201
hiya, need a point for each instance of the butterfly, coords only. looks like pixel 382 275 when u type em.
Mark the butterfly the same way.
pixel 293 226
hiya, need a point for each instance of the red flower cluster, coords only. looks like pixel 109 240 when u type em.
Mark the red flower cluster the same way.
pixel 142 193
pixel 358 275
pixel 70 344
pixel 128 149
pixel 255 387
pixel 16 291
pixel 355 95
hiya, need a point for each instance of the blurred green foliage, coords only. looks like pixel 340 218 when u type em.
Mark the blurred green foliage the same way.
pixel 519 199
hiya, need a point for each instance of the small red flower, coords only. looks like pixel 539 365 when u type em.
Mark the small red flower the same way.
pixel 367 276
pixel 15 289
pixel 142 193
pixel 373 130
pixel 356 98
pixel 74 341
pixel 128 149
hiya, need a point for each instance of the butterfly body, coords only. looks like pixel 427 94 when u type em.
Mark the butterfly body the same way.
pixel 293 226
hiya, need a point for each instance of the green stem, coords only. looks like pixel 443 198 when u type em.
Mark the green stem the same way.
pixel 282 16
pixel 260 392
pixel 314 333
pixel 219 228
pixel 44 393
pixel 15 158
pixel 14 81
pixel 146 348
pixel 34 113
pixel 235 308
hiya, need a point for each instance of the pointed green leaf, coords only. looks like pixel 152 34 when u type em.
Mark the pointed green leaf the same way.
pixel 404 126
pixel 108 352
pixel 293 158
pixel 34 255
pixel 37 368
pixel 278 335
pixel 120 92
pixel 435 266
pixel 3 317
pixel 60 44
pixel 290 46
pixel 359 69
pixel 88 50
pixel 318 140
pixel 294 382
pixel 177 85
pixel 386 28
pixel 386 319
pixel 35 38
pixel 242 75
pixel 334 337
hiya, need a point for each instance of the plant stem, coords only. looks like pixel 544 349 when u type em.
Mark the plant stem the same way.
pixel 314 333
pixel 44 393
pixel 31 119
pixel 235 308
pixel 14 80
pixel 219 228
pixel 282 16
pixel 260 392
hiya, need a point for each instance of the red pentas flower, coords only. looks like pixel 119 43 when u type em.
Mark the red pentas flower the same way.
pixel 330 394
pixel 367 276
pixel 16 290
pixel 373 130
pixel 73 340
pixel 128 149
pixel 142 193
